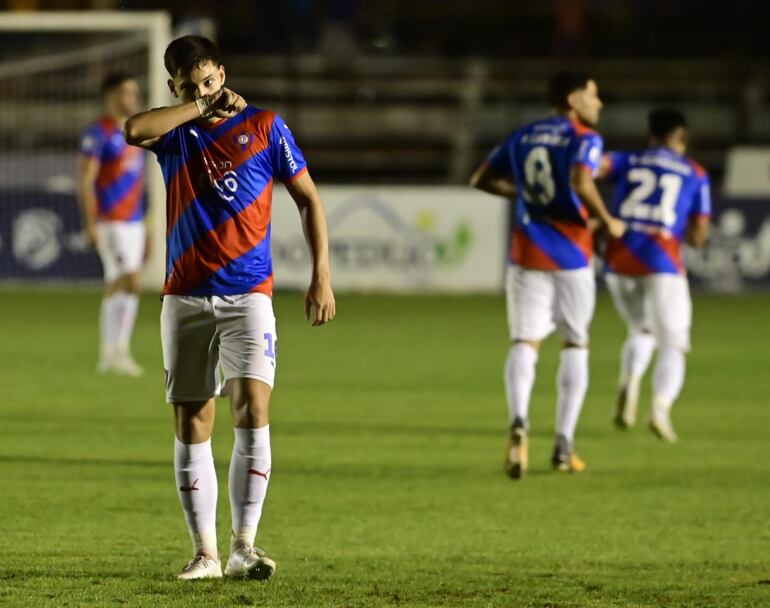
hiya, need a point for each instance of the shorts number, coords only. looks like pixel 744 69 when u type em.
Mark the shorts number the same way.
pixel 271 344
pixel 539 188
pixel 636 205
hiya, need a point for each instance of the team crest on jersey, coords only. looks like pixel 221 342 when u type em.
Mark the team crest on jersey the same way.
pixel 244 139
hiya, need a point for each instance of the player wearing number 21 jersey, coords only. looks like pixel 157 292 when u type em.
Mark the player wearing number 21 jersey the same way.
pixel 664 198
pixel 548 168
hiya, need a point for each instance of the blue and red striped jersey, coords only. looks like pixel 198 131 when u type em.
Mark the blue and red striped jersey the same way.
pixel 551 231
pixel 219 184
pixel 658 191
pixel 120 192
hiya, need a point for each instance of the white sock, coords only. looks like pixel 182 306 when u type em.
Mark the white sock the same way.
pixel 128 305
pixel 572 384
pixel 668 379
pixel 519 377
pixel 196 483
pixel 636 356
pixel 249 475
pixel 108 324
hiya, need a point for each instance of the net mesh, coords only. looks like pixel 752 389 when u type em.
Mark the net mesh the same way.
pixel 52 93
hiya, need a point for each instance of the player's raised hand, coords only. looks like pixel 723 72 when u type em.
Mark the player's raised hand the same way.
pixel 227 103
pixel 616 227
pixel 320 306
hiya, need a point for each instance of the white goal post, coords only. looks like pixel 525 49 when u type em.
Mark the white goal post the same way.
pixel 84 43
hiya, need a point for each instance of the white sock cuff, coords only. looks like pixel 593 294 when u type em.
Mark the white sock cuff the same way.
pixel 247 440
pixel 193 451
pixel 526 351
pixel 576 354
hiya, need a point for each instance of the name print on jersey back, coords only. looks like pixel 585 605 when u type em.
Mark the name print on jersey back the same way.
pixel 551 231
pixel 658 192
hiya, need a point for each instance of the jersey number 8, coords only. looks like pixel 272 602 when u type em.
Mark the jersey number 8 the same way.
pixel 539 187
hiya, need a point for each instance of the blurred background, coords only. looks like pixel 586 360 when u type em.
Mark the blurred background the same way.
pixel 407 95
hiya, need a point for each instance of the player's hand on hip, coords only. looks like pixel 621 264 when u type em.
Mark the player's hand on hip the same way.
pixel 320 306
pixel 616 227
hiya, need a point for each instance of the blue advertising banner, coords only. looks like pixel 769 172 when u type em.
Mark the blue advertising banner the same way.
pixel 737 256
pixel 41 239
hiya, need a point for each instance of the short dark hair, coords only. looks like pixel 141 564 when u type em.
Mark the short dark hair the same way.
pixel 563 83
pixel 114 80
pixel 185 54
pixel 663 121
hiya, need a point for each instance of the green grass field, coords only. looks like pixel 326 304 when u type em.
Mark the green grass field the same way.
pixel 387 485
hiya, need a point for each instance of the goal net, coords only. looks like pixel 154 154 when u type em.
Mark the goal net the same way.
pixel 52 66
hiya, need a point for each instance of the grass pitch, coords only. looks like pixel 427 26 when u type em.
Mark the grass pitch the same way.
pixel 388 490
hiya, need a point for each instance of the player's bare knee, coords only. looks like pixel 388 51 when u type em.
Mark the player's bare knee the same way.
pixel 535 344
pixel 574 344
pixel 194 421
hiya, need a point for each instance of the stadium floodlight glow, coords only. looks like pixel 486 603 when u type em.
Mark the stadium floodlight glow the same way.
pixel 54 78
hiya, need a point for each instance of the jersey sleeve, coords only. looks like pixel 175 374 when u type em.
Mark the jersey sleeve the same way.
pixel 92 142
pixel 287 159
pixel 588 152
pixel 616 162
pixel 701 204
pixel 165 144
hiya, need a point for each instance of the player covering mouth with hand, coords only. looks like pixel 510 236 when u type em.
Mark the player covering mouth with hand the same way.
pixel 220 157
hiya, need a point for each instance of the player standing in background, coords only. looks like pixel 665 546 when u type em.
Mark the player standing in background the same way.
pixel 219 158
pixel 664 198
pixel 111 196
pixel 548 168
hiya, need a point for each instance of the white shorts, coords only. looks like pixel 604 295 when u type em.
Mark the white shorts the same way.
pixel 540 301
pixel 121 248
pixel 656 303
pixel 206 339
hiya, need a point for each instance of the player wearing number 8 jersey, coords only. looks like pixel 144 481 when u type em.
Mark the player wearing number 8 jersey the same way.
pixel 664 198
pixel 548 167
pixel 220 159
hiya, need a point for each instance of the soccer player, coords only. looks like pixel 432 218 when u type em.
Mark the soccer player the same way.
pixel 548 168
pixel 664 197
pixel 111 196
pixel 220 158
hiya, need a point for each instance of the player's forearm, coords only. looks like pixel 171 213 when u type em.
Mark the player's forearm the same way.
pixel 317 237
pixel 483 179
pixel 87 203
pixel 586 190
pixel 697 234
pixel 158 122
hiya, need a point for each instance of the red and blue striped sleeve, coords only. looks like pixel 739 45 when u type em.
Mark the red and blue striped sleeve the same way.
pixel 287 159
pixel 92 142
pixel 588 152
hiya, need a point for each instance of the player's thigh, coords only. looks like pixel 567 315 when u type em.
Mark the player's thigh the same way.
pixel 629 294
pixel 671 310
pixel 190 348
pixel 107 248
pixel 129 243
pixel 247 337
pixel 529 296
pixel 574 303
